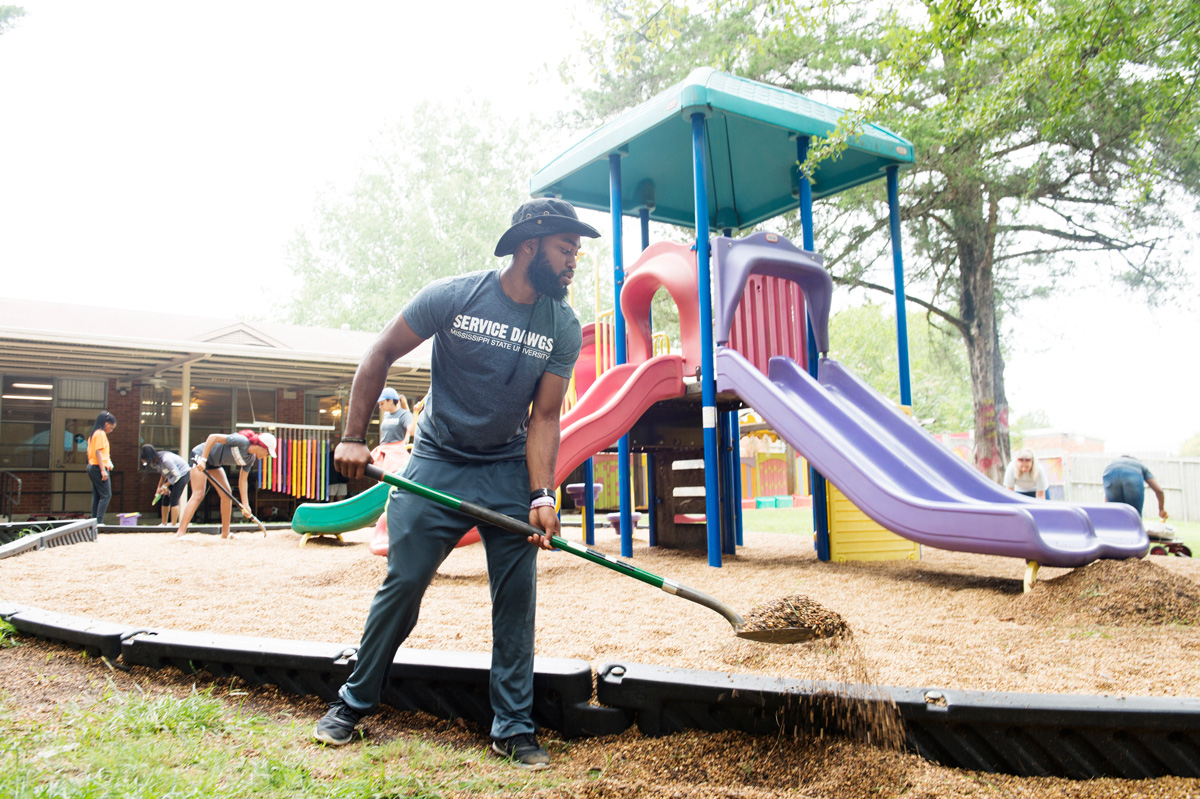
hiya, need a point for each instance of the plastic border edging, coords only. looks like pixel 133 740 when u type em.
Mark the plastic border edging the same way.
pixel 1073 736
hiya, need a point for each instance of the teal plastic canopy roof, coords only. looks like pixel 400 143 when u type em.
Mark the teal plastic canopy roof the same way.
pixel 752 129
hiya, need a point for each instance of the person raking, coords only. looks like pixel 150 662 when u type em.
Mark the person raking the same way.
pixel 209 461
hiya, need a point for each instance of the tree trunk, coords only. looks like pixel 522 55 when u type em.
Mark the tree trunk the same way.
pixel 977 301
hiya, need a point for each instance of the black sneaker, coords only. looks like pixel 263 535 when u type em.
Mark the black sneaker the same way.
pixel 336 727
pixel 523 750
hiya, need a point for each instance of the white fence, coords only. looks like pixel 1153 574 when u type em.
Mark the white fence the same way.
pixel 1179 478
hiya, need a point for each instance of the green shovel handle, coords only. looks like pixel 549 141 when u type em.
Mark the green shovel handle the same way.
pixel 525 530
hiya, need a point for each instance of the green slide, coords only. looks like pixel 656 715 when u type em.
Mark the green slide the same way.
pixel 355 513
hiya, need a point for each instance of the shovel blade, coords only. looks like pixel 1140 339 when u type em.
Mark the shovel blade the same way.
pixel 783 635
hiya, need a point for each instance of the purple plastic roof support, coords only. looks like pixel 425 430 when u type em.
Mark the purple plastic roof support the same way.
pixel 897 489
pixel 773 255
pixel 1117 526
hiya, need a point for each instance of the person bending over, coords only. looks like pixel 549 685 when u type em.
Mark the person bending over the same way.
pixel 1125 480
pixel 1026 476
pixel 209 461
pixel 174 476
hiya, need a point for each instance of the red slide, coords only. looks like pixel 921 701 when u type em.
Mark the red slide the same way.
pixel 612 405
pixel 602 415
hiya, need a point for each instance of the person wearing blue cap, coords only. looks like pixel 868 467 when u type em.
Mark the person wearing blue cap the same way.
pixel 394 417
pixel 504 344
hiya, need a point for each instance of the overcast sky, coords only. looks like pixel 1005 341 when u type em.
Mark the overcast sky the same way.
pixel 160 155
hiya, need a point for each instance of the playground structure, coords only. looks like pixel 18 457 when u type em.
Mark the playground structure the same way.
pixel 745 339
pixel 753 315
pixel 854 436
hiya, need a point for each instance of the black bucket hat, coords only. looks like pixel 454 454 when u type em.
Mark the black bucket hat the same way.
pixel 544 216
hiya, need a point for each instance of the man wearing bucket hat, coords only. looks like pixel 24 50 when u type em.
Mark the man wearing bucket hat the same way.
pixel 504 344
pixel 208 462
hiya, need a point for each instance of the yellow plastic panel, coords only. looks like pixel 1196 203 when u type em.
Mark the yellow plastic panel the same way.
pixel 855 536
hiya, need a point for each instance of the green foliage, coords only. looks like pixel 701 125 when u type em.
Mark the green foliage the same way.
pixel 1053 141
pixel 1034 420
pixel 8 635
pixel 9 16
pixel 433 201
pixel 1191 447
pixel 864 339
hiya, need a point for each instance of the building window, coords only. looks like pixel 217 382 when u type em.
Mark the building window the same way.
pixel 211 412
pixel 26 417
pixel 325 409
pixel 160 417
pixel 83 394
pixel 255 405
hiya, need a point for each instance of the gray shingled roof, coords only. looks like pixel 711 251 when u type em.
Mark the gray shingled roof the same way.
pixel 65 340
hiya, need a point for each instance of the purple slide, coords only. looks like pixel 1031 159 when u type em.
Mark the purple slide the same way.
pixel 1116 525
pixel 906 481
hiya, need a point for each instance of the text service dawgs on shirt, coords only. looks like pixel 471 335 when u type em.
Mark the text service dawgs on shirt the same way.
pixel 498 334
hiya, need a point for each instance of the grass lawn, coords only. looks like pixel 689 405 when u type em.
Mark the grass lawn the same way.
pixel 203 745
pixel 1188 533
pixel 793 521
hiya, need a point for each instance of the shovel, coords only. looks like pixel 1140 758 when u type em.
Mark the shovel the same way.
pixel 786 635
pixel 245 511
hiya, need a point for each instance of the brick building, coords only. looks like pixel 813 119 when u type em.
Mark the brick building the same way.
pixel 170 380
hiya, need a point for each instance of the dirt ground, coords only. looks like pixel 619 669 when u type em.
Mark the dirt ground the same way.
pixel 950 620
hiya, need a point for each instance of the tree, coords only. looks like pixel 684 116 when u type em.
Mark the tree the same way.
pixel 863 338
pixel 9 16
pixel 1191 447
pixel 1034 420
pixel 433 201
pixel 1051 140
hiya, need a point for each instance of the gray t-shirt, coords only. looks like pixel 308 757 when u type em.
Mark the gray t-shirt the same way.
pixel 489 353
pixel 171 466
pixel 393 426
pixel 234 452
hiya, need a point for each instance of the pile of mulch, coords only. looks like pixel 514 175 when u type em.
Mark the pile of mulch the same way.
pixel 1120 593
pixel 796 612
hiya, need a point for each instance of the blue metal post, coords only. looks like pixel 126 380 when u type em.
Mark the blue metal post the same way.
pixel 816 480
pixel 589 502
pixel 893 190
pixel 728 512
pixel 708 383
pixel 624 486
pixel 735 429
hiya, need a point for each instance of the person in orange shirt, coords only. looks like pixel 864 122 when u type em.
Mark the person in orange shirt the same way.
pixel 100 464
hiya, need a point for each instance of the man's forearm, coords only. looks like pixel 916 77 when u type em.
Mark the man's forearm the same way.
pixel 541 452
pixel 368 383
